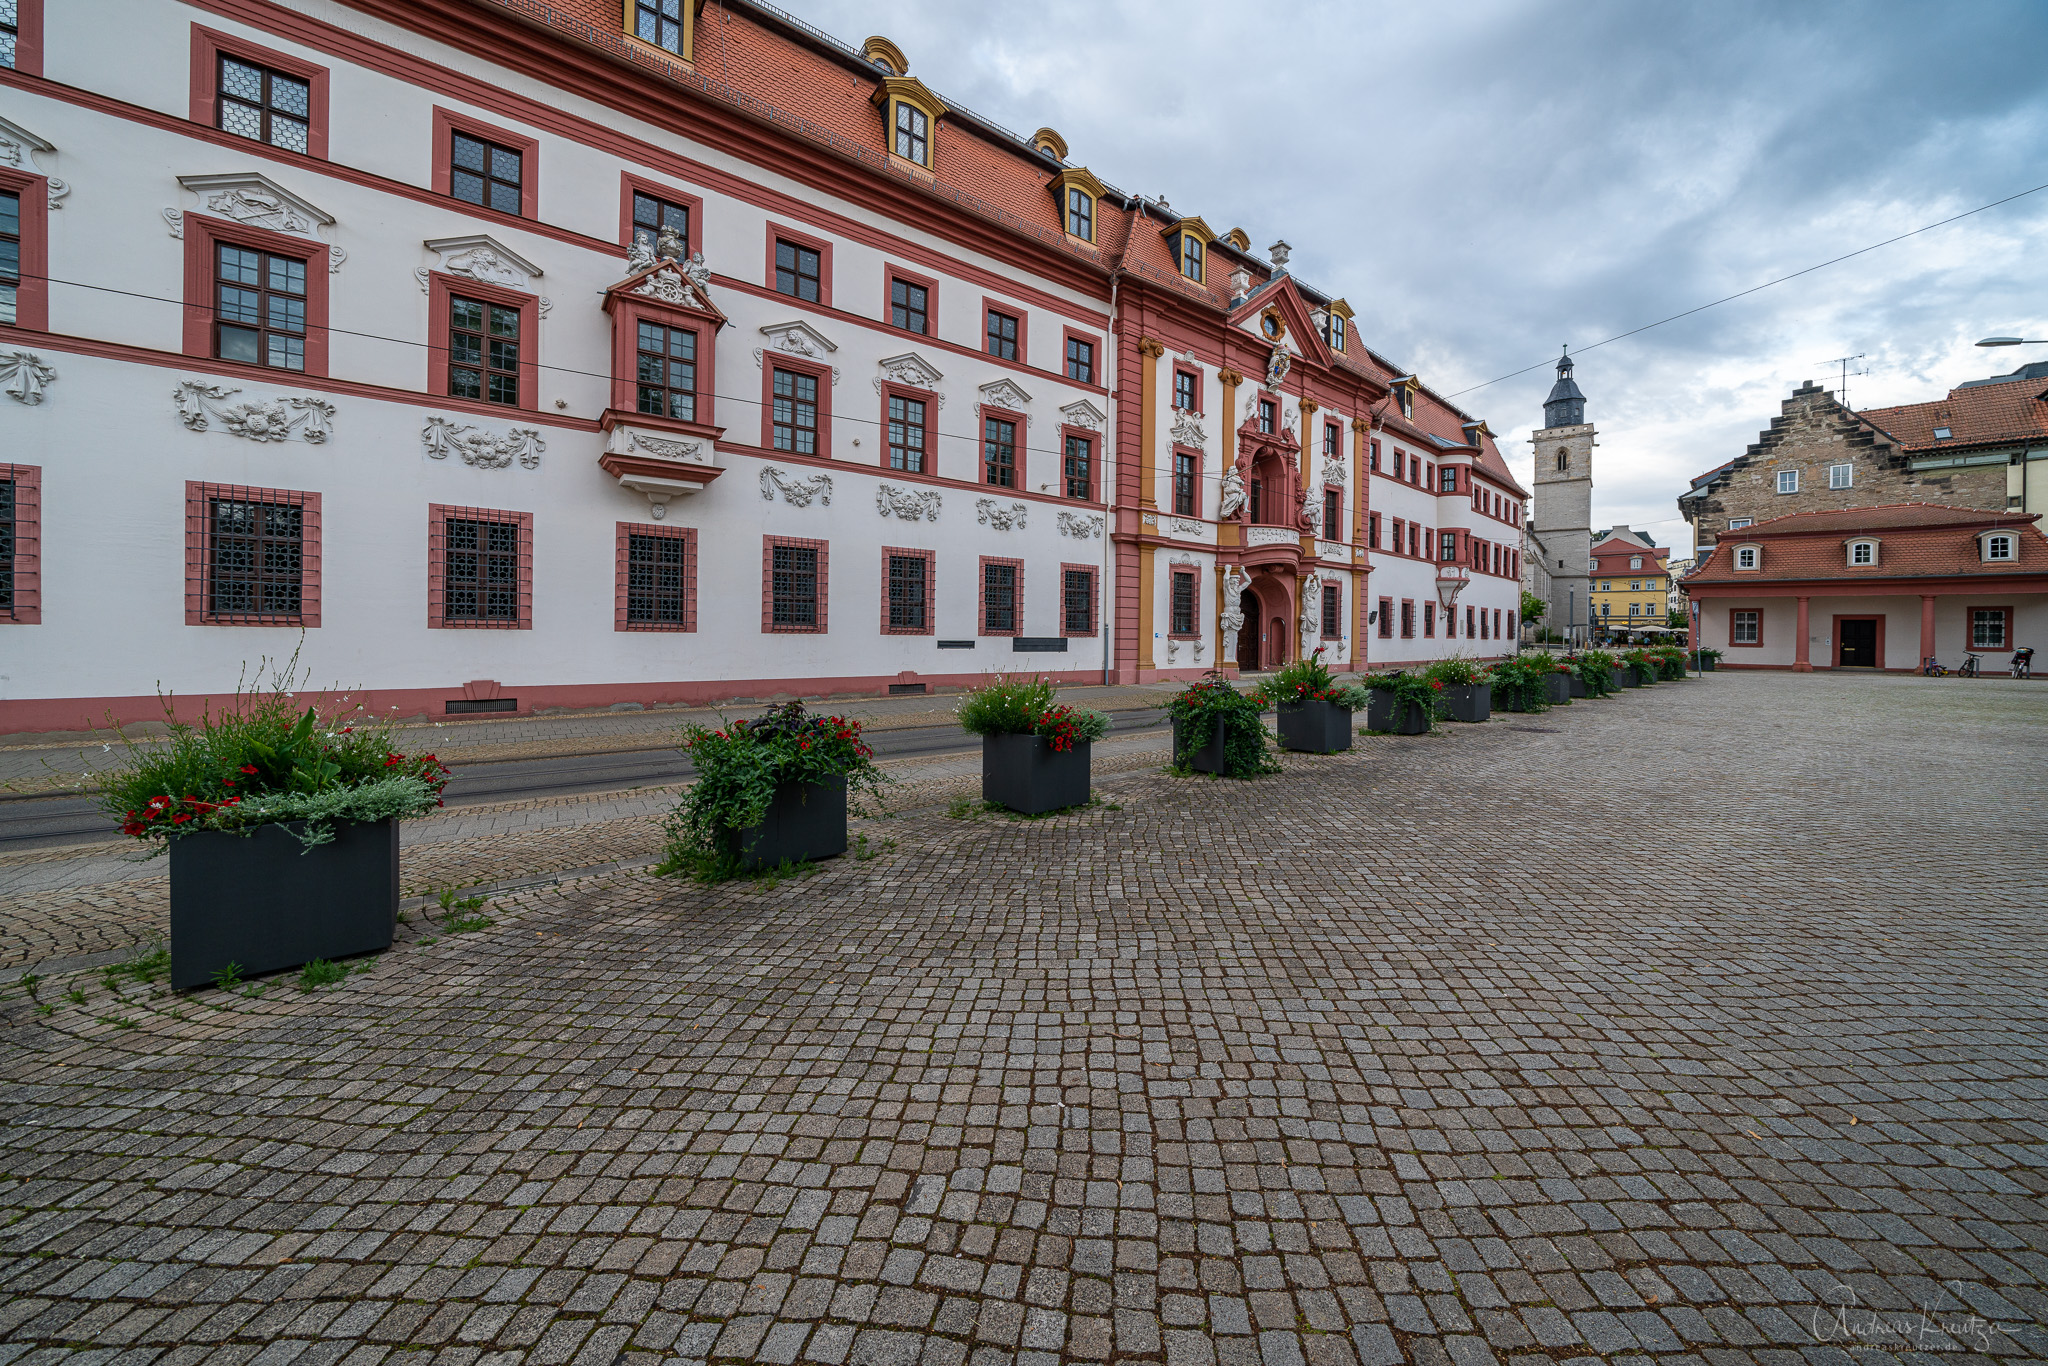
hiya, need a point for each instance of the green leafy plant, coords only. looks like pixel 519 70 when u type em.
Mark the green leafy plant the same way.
pixel 142 968
pixel 1411 689
pixel 117 1021
pixel 1709 653
pixel 864 849
pixel 1012 705
pixel 229 977
pixel 1454 671
pixel 1197 708
pixel 739 767
pixel 1521 682
pixel 28 982
pixel 264 761
pixel 1533 607
pixel 1647 668
pixel 963 809
pixel 1310 680
pixel 1670 660
pixel 320 973
pixel 1595 669
pixel 460 915
pixel 76 996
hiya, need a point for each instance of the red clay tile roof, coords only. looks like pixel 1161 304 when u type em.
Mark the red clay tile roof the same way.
pixel 1612 557
pixel 1980 415
pixel 1915 540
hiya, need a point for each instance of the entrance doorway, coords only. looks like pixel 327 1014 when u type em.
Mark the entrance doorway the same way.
pixel 1856 639
pixel 1276 643
pixel 1248 639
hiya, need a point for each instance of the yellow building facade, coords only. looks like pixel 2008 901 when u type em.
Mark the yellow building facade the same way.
pixel 1631 583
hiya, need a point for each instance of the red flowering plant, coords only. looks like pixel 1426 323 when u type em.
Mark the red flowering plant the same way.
pixel 264 761
pixel 1010 705
pixel 739 767
pixel 1407 689
pixel 1310 680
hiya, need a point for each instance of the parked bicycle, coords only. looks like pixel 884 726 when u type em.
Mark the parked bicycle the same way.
pixel 1971 667
pixel 2023 663
pixel 1932 668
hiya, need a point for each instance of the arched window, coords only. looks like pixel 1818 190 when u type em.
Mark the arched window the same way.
pixel 1564 460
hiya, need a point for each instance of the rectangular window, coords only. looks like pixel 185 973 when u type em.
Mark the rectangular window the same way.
pixel 1333 515
pixel 1333 611
pixel 1184 390
pixel 1450 623
pixel 1447 546
pixel 1002 335
pixel 796 412
pixel 1471 630
pixel 484 174
pixel 1373 454
pixel 1080 471
pixel 1399 534
pixel 260 307
pixel 1333 440
pixel 1258 500
pixel 1735 523
pixel 7 537
pixel 667 375
pixel 1745 628
pixel 1183 485
pixel 254 101
pixel 1336 331
pixel 1447 479
pixel 1788 481
pixel 1998 547
pixel 907 305
pixel 483 351
pixel 1372 530
pixel 1077 602
pixel 1081 360
pixel 1266 415
pixel 906 434
pixel 10 252
pixel 1191 257
pixel 795 601
pixel 910 594
pixel 1400 463
pixel 796 271
pixel 913 134
pixel 651 215
pixel 1429 621
pixel 661 578
pixel 1987 628
pixel 1002 592
pixel 999 452
pixel 660 22
pixel 1386 618
pixel 1841 476
pixel 20 560
pixel 1081 214
pixel 1414 539
pixel 1183 604
pixel 1407 618
pixel 481 574
pixel 10 32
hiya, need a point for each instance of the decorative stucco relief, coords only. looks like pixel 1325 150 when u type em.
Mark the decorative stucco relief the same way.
pixel 991 513
pixel 479 448
pixel 24 375
pixel 200 404
pixel 798 492
pixel 909 505
pixel 1082 528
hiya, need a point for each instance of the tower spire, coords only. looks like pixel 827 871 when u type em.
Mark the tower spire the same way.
pixel 1566 406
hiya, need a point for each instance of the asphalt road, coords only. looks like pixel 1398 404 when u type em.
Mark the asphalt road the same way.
pixel 55 821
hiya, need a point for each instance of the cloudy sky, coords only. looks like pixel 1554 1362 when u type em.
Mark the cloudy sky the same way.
pixel 1485 181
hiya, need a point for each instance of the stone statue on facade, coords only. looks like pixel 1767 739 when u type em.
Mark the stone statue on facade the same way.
pixel 1232 615
pixel 1233 494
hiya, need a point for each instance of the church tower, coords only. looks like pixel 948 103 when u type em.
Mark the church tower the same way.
pixel 1563 509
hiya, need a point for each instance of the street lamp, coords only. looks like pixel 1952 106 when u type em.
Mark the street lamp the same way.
pixel 2013 341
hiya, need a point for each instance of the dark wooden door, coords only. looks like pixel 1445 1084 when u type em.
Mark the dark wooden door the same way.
pixel 1859 645
pixel 1248 638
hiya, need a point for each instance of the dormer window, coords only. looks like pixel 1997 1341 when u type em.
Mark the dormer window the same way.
pixel 908 109
pixel 913 134
pixel 1862 552
pixel 1081 214
pixel 1748 557
pixel 1336 332
pixel 1407 403
pixel 1076 193
pixel 2000 545
pixel 1941 433
pixel 1635 562
pixel 1191 257
pixel 660 22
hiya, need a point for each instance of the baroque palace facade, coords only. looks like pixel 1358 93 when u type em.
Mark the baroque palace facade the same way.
pixel 495 355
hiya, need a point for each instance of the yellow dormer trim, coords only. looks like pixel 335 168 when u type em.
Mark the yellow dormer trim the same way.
pixel 1082 179
pixel 1478 431
pixel 1193 225
pixel 879 51
pixel 631 23
pixel 1238 238
pixel 1176 235
pixel 908 92
pixel 1340 307
pixel 1049 141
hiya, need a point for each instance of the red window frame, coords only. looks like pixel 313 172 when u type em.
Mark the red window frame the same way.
pixel 1756 644
pixel 438 515
pixel 930 448
pixel 32 295
pixel 1429 621
pixel 1372 530
pixel 1094 599
pixel 197 580
pixel 1176 454
pixel 1970 628
pixel 1068 334
pixel 1194 581
pixel 991 304
pixel 985 411
pixel 447 122
pixel 629 183
pixel 1407 618
pixel 1094 440
pixel 441 289
pixel 981 596
pixel 1194 379
pixel 797 237
pixel 931 569
pixel 1333 513
pixel 627 312
pixel 621 590
pixel 208 47
pixel 1333 615
pixel 891 274
pixel 1374 459
pixel 203 234
pixel 823 375
pixel 768 548
pixel 1333 440
pixel 28 559
pixel 1451 623
pixel 1386 619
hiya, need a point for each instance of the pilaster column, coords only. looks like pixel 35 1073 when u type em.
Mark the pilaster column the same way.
pixel 1307 467
pixel 1361 553
pixel 1148 417
pixel 1926 627
pixel 1228 533
pixel 1801 664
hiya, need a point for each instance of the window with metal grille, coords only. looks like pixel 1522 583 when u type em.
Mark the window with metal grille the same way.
pixel 483 351
pixel 999 451
pixel 1333 610
pixel 907 306
pixel 1183 604
pixel 667 377
pixel 1002 335
pixel 1080 471
pixel 260 308
pixel 1265 415
pixel 1386 618
pixel 1471 630
pixel 1081 214
pixel 484 174
pixel 999 583
pixel 1077 601
pixel 1407 618
pixel 796 412
pixel 254 558
pixel 909 593
pixel 480 570
pixel 794 586
pixel 796 271
pixel 1987 628
pixel 1183 390
pixel 10 254
pixel 1333 515
pixel 912 134
pixel 660 22
pixel 651 215
pixel 10 32
pixel 1080 360
pixel 7 541
pixel 1429 621
pixel 256 102
pixel 659 576
pixel 1183 485
pixel 1745 628
pixel 906 434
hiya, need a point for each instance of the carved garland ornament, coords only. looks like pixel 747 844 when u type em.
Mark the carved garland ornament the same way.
pixel 992 513
pixel 253 419
pixel 796 492
pixel 1080 528
pixel 909 505
pixel 479 448
pixel 24 375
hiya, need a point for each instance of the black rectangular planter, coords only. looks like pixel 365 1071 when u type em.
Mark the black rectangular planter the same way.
pixel 805 821
pixel 265 902
pixel 1026 774
pixel 1558 687
pixel 1575 685
pixel 1469 701
pixel 1381 714
pixel 1315 727
pixel 1621 679
pixel 1705 665
pixel 1207 759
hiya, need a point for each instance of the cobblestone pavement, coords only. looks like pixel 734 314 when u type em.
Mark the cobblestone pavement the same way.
pixel 1702 1025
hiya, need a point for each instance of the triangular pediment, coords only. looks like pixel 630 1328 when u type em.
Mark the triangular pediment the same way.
pixel 798 338
pixel 482 257
pixel 679 284
pixel 910 369
pixel 1279 297
pixel 257 200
